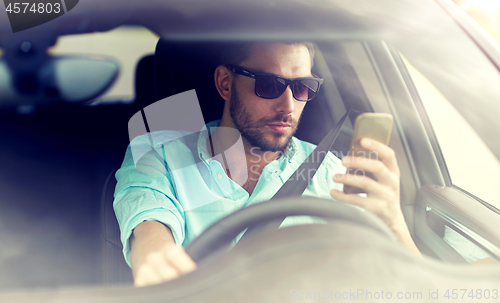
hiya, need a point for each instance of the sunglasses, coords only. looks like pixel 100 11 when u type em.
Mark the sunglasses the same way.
pixel 269 86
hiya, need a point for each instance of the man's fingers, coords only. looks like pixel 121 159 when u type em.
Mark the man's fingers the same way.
pixel 349 198
pixel 167 273
pixel 155 273
pixel 167 264
pixel 384 152
pixel 378 169
pixel 370 186
pixel 146 276
pixel 378 206
pixel 179 259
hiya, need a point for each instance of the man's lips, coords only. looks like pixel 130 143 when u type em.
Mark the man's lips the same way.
pixel 279 127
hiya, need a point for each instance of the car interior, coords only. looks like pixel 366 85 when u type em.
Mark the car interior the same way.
pixel 77 149
pixel 60 159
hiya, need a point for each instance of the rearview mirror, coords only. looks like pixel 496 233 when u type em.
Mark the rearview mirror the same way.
pixel 60 79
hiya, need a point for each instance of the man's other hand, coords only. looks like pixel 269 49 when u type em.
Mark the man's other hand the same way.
pixel 155 257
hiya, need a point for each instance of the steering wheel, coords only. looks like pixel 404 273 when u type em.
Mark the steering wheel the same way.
pixel 221 233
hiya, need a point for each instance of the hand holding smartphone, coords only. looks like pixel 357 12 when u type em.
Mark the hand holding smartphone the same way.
pixel 376 126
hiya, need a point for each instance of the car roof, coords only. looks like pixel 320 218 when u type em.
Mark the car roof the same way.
pixel 257 19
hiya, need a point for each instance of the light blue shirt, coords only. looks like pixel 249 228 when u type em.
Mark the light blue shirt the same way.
pixel 169 176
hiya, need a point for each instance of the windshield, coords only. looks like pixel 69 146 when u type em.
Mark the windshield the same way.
pixel 61 159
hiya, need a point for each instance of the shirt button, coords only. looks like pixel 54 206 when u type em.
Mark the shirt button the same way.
pixel 220 177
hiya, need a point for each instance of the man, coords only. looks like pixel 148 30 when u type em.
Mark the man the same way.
pixel 267 121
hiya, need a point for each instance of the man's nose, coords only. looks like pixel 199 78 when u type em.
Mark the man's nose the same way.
pixel 286 102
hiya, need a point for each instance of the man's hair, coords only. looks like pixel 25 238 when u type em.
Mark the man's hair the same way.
pixel 235 53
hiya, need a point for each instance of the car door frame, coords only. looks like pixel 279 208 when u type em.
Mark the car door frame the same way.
pixel 437 198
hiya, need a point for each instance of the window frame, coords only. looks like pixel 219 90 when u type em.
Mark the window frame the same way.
pixel 478 234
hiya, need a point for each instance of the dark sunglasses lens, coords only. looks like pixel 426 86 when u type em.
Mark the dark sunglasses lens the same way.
pixel 305 89
pixel 269 87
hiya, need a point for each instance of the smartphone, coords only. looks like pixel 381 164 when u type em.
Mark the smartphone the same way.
pixel 376 126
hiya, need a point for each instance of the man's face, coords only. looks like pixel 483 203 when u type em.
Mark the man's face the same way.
pixel 269 124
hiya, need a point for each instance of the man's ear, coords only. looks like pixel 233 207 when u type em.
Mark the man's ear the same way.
pixel 223 81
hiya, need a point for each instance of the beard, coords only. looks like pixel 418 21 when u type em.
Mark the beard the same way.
pixel 251 130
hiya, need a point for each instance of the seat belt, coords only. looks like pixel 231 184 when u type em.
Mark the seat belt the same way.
pixel 295 186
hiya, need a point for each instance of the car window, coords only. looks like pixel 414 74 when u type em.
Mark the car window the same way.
pixel 126 44
pixel 460 120
pixel 471 165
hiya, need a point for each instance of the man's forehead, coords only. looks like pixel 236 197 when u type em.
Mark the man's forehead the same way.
pixel 287 60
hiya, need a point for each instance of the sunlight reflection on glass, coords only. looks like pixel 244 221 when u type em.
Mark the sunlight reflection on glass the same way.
pixel 492 6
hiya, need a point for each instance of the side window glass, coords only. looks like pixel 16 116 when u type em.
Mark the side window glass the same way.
pixel 471 164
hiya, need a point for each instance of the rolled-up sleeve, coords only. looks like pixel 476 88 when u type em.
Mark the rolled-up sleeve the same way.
pixel 145 192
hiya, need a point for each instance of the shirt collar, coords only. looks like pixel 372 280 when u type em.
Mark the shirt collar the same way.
pixel 291 149
pixel 203 139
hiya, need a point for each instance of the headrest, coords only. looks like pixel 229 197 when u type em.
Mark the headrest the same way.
pixel 182 66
